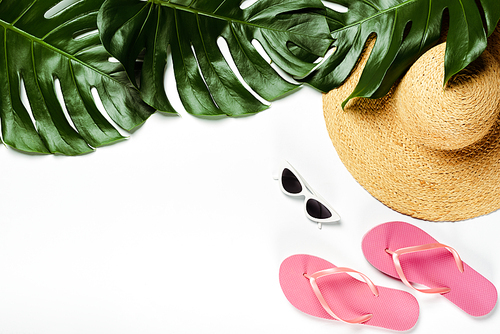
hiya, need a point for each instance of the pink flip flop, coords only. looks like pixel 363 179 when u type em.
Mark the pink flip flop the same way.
pixel 320 289
pixel 406 252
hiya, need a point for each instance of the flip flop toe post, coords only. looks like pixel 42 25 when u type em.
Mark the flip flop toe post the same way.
pixel 406 252
pixel 319 288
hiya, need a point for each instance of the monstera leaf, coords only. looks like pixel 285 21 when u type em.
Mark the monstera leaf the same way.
pixel 39 49
pixel 404 30
pixel 190 29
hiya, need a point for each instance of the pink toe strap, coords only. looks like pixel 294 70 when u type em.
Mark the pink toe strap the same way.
pixel 312 279
pixel 396 254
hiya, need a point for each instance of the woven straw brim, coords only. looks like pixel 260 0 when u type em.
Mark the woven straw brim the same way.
pixel 430 184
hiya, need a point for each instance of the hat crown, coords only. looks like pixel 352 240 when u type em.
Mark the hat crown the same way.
pixel 455 116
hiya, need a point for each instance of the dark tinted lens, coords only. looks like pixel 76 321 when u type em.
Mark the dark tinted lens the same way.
pixel 317 210
pixel 290 182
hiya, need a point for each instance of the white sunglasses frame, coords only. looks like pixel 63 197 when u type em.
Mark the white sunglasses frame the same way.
pixel 308 194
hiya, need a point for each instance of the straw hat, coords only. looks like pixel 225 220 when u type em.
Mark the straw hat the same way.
pixel 422 150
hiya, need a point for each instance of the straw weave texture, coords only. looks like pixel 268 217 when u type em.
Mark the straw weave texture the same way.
pixel 425 151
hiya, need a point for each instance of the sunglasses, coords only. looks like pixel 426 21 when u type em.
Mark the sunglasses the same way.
pixel 316 208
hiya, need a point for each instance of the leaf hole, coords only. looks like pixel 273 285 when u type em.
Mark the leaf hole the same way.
pixel 60 98
pixel 224 49
pixel 260 49
pixel 407 30
pixel 247 3
pixel 335 6
pixel 85 33
pixel 483 15
pixel 328 54
pixel 202 76
pixel 25 101
pixel 138 64
pixel 59 8
pixel 445 25
pixel 140 56
pixel 102 110
pixel 171 85
pixel 302 54
pixel 113 60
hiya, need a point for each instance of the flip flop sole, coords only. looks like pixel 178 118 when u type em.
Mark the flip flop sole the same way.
pixel 347 296
pixel 433 268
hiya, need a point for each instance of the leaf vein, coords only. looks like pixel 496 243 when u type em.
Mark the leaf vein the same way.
pixel 208 58
pixel 24 12
pixel 34 39
pixel 43 96
pixel 228 19
pixel 371 4
pixel 65 24
pixel 220 5
pixel 382 12
pixel 182 54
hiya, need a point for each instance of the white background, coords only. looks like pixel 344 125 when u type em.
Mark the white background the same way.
pixel 182 229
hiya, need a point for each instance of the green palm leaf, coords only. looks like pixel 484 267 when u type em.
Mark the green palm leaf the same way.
pixel 37 51
pixel 206 84
pixel 404 29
